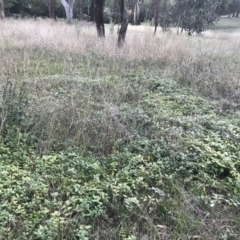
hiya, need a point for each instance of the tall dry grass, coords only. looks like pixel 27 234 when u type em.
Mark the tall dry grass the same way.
pixel 77 83
pixel 208 64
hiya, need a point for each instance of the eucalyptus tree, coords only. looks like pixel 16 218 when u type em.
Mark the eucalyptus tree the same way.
pixel 195 16
pixel 136 12
pixel 51 8
pixel 68 6
pixel 191 16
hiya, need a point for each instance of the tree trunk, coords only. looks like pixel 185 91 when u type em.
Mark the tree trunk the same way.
pixel 156 18
pixel 51 8
pixel 115 12
pixel 136 12
pixel 92 11
pixel 68 6
pixel 2 15
pixel 99 4
pixel 237 14
pixel 80 10
pixel 124 23
pixel 156 6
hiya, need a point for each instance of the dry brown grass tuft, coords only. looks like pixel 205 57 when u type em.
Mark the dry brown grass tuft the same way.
pixel 68 70
pixel 208 64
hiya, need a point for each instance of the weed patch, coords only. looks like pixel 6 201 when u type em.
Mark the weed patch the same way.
pixel 102 143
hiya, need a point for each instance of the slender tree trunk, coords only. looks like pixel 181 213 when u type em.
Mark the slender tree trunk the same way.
pixel 136 12
pixel 80 10
pixel 115 12
pixel 131 20
pixel 2 15
pixel 124 23
pixel 156 18
pixel 51 8
pixel 68 6
pixel 92 11
pixel 99 4
pixel 156 6
pixel 88 7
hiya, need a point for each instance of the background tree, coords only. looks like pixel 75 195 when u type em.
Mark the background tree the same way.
pixel 234 8
pixel 38 8
pixel 155 8
pixel 97 15
pixel 20 7
pixel 115 12
pixel 124 23
pixel 51 8
pixel 145 11
pixel 68 6
pixel 80 10
pixel 2 15
pixel 189 15
pixel 224 7
pixel 92 11
pixel 136 12
pixel 166 14
pixel 99 7
pixel 195 16
pixel 8 4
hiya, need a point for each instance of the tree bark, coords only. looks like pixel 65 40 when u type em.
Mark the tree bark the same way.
pixel 68 6
pixel 156 18
pixel 51 8
pixel 2 14
pixel 92 11
pixel 124 23
pixel 80 10
pixel 115 13
pixel 156 6
pixel 136 12
pixel 99 4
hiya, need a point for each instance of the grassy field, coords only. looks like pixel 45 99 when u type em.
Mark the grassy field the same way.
pixel 98 142
pixel 228 24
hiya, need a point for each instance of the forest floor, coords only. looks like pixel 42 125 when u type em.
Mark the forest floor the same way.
pixel 97 142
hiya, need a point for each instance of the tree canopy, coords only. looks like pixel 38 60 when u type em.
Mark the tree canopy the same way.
pixel 189 15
